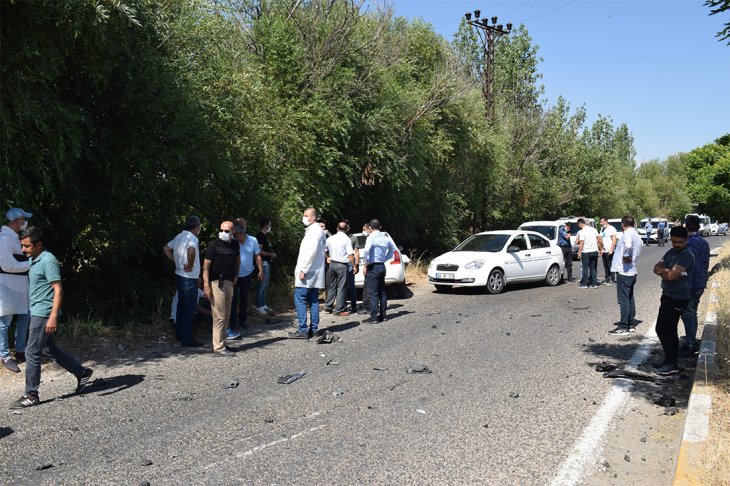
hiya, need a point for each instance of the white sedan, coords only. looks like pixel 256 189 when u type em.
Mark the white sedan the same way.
pixel 493 259
pixel 395 268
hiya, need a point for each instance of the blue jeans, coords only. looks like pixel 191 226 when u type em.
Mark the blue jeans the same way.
pixel 589 270
pixel 40 343
pixel 21 334
pixel 239 304
pixel 262 285
pixel 689 317
pixel 305 298
pixel 375 286
pixel 625 296
pixel 187 303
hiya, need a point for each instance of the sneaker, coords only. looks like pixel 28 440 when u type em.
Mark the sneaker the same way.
pixel 83 380
pixel 667 369
pixel 619 331
pixel 260 310
pixel 581 286
pixel 593 287
pixel 11 365
pixel 19 357
pixel 609 282
pixel 268 309
pixel 370 320
pixel 226 352
pixel 25 401
pixel 298 335
pixel 328 310
pixel 571 279
pixel 231 334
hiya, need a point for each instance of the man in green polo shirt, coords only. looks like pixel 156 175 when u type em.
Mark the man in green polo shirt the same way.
pixel 46 295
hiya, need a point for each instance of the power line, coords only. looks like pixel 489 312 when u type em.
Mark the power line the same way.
pixel 549 11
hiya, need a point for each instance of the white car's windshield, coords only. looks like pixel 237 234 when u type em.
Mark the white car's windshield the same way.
pixel 547 231
pixel 617 225
pixel 490 243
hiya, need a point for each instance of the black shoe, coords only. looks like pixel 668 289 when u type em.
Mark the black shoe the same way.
pixel 381 318
pixel 370 320
pixel 83 380
pixel 25 401
pixel 328 310
pixel 570 279
pixel 192 344
pixel 299 335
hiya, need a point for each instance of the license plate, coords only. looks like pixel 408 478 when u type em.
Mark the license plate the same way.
pixel 448 276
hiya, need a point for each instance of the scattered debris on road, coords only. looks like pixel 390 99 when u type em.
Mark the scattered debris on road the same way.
pixel 287 379
pixel 514 395
pixel 332 362
pixel 665 401
pixel 327 337
pixel 671 411
pixel 44 466
pixel 604 367
pixel 337 393
pixel 418 368
pixel 145 462
pixel 233 384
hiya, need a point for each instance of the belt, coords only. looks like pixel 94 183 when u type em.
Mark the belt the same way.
pixel 371 265
pixel 341 263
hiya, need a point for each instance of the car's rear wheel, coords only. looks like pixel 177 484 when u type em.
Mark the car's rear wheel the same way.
pixel 553 276
pixel 442 288
pixel 495 282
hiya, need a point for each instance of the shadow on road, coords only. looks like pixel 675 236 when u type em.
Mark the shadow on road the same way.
pixel 257 344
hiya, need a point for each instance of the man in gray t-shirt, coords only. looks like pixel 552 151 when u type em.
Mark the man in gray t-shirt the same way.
pixel 675 269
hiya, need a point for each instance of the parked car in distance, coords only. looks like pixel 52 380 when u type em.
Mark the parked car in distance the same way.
pixel 493 259
pixel 714 228
pixel 395 268
pixel 722 229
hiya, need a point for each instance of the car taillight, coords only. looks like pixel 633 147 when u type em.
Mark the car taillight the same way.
pixel 396 258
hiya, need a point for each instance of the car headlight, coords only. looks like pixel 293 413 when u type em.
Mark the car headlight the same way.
pixel 475 265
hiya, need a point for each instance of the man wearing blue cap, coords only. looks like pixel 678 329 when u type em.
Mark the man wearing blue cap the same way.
pixel 14 267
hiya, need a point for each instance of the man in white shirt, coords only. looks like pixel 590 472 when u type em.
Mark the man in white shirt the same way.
pixel 341 257
pixel 625 259
pixel 309 276
pixel 183 252
pixel 608 236
pixel 589 244
pixel 14 266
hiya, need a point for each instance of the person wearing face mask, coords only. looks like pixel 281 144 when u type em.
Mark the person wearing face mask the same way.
pixel 268 255
pixel 14 266
pixel 220 275
pixel 250 254
pixel 309 276
pixel 183 252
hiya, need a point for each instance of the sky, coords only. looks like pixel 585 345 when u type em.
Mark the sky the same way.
pixel 654 65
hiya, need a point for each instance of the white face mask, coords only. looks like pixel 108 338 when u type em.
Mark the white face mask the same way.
pixel 305 221
pixel 224 236
pixel 23 225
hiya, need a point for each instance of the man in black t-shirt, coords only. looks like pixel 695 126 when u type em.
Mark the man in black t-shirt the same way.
pixel 675 269
pixel 220 274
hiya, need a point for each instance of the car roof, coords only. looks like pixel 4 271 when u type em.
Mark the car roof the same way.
pixel 509 232
pixel 542 223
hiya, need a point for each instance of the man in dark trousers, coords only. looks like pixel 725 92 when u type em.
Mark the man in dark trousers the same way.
pixel 675 269
pixel 378 249
pixel 701 250
pixel 46 296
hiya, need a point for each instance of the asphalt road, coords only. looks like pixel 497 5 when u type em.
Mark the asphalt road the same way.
pixel 512 387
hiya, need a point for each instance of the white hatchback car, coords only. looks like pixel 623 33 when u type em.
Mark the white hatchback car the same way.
pixel 395 268
pixel 493 259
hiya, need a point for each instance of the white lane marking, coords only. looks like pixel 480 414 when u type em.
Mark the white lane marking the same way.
pixel 590 444
pixel 261 447
pixel 697 425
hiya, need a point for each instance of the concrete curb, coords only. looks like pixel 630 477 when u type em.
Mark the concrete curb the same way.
pixel 688 470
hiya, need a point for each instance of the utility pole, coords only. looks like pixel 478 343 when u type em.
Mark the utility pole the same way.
pixel 488 34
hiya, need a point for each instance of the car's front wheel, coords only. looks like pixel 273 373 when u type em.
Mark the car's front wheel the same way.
pixel 553 276
pixel 495 282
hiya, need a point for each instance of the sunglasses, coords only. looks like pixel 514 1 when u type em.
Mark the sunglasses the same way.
pixel 225 231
